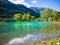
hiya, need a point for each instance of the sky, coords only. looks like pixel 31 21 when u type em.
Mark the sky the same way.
pixel 52 4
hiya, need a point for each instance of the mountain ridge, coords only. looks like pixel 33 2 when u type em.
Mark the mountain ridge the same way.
pixel 9 8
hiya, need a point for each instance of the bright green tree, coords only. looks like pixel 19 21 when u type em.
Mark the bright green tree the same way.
pixel 17 17
pixel 49 15
pixel 58 16
pixel 24 17
pixel 45 14
pixel 32 18
pixel 28 16
pixel 54 15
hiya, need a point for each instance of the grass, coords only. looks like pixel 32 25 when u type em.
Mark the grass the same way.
pixel 55 41
pixel 54 22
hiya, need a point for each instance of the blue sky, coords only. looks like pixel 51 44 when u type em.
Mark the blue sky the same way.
pixel 52 4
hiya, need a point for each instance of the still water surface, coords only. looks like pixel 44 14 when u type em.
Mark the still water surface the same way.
pixel 40 30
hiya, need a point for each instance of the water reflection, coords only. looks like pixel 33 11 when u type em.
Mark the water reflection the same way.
pixel 30 39
pixel 12 30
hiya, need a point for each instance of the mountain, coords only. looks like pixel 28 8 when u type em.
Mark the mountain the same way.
pixel 37 9
pixel 7 9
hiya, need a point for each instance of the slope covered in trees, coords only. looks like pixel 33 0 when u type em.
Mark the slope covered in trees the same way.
pixel 7 9
pixel 13 12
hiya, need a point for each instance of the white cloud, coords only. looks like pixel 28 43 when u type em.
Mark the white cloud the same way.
pixel 20 2
pixel 34 1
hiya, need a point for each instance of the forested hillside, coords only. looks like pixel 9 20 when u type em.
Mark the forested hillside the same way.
pixel 18 12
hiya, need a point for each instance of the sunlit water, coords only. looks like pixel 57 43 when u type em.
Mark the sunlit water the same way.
pixel 20 33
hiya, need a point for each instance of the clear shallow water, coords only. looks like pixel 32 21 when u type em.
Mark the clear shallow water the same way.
pixel 11 30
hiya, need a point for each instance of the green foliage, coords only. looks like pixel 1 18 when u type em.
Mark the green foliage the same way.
pixel 58 16
pixel 24 17
pixel 32 18
pixel 28 17
pixel 49 15
pixel 52 43
pixel 46 15
pixel 54 15
pixel 17 17
pixel 0 19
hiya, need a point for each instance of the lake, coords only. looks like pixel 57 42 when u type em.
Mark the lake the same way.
pixel 28 31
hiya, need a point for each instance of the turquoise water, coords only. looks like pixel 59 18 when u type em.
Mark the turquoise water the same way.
pixel 10 30
pixel 25 27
